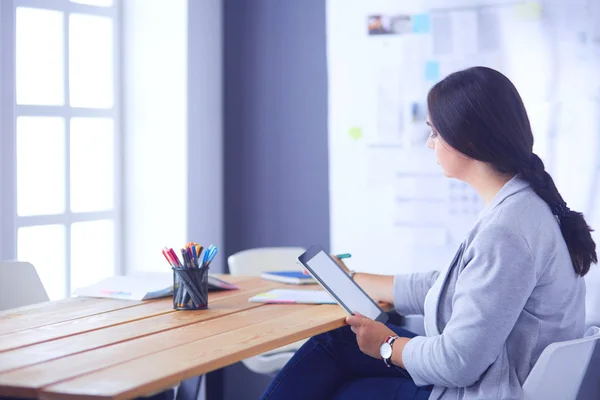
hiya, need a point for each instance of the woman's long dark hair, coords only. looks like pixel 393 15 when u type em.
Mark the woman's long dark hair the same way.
pixel 479 112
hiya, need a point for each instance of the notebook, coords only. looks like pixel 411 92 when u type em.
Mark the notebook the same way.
pixel 292 277
pixel 142 287
pixel 291 296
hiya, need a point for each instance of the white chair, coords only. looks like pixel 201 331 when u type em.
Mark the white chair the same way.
pixel 253 262
pixel 559 371
pixel 20 285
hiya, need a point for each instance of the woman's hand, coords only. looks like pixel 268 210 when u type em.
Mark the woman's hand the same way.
pixel 341 264
pixel 370 334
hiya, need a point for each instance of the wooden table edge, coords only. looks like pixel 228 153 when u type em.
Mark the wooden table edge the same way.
pixel 232 293
pixel 154 387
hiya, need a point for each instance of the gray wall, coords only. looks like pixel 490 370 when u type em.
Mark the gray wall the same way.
pixel 275 110
pixel 275 139
pixel 205 124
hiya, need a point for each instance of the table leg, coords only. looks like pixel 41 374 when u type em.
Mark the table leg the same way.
pixel 189 389
pixel 215 383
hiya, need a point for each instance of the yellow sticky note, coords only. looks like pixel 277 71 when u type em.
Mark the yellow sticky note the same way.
pixel 355 133
pixel 528 10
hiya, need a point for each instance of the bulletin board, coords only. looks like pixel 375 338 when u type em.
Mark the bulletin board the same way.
pixel 390 204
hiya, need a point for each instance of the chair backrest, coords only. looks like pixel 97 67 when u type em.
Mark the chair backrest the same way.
pixel 20 285
pixel 253 262
pixel 558 372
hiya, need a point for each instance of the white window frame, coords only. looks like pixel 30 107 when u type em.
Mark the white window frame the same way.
pixel 10 222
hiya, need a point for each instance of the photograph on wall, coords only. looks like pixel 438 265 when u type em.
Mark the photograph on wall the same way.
pixel 389 25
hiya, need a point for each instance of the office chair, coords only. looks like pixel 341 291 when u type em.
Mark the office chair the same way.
pixel 253 262
pixel 559 371
pixel 20 285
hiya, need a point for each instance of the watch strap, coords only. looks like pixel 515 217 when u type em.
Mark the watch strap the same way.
pixel 390 340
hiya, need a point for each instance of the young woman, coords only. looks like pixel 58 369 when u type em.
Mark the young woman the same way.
pixel 514 286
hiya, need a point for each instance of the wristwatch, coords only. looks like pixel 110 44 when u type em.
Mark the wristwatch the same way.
pixel 385 350
pixel 351 274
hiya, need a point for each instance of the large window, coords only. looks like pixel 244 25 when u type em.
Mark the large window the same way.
pixel 60 146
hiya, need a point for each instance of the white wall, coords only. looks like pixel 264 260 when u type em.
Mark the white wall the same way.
pixel 172 117
pixel 155 130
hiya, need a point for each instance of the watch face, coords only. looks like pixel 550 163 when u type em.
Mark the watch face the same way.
pixel 385 350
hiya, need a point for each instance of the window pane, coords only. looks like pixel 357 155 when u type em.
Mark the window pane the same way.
pixel 92 252
pixel 39 57
pixel 100 3
pixel 90 61
pixel 40 165
pixel 92 164
pixel 44 247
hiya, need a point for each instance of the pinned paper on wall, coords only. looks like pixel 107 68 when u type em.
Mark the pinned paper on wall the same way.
pixel 432 71
pixel 528 10
pixel 464 32
pixel 421 23
pixel 442 34
pixel 390 117
pixel 388 24
pixel 355 133
pixel 489 30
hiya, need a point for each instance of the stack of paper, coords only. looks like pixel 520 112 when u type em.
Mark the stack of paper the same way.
pixel 143 287
pixel 291 277
pixel 289 296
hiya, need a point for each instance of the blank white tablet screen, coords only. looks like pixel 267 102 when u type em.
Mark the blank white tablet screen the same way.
pixel 343 287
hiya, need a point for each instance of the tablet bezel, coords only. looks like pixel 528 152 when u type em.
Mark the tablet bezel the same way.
pixel 305 257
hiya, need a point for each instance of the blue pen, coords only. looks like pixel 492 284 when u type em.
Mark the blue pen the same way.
pixel 209 255
pixel 342 256
pixel 212 255
pixel 193 256
pixel 205 257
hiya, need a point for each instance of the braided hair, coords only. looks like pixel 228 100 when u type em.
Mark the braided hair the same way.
pixel 479 112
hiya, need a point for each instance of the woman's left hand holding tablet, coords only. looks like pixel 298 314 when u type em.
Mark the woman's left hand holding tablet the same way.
pixel 369 334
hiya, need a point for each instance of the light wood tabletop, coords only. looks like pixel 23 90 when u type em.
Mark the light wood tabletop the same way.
pixel 85 348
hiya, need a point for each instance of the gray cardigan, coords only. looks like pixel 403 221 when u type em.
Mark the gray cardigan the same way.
pixel 509 292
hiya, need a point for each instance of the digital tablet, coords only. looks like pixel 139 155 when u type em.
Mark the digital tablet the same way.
pixel 337 282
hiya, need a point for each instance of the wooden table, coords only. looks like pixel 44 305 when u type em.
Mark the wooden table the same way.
pixel 83 348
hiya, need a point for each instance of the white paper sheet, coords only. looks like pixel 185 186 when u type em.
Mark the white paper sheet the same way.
pixel 294 297
pixel 130 288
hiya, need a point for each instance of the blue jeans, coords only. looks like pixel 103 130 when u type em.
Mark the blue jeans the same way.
pixel 331 366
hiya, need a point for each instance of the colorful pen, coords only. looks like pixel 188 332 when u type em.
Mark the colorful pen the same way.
pixel 342 256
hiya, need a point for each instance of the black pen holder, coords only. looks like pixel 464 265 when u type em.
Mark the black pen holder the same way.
pixel 190 288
